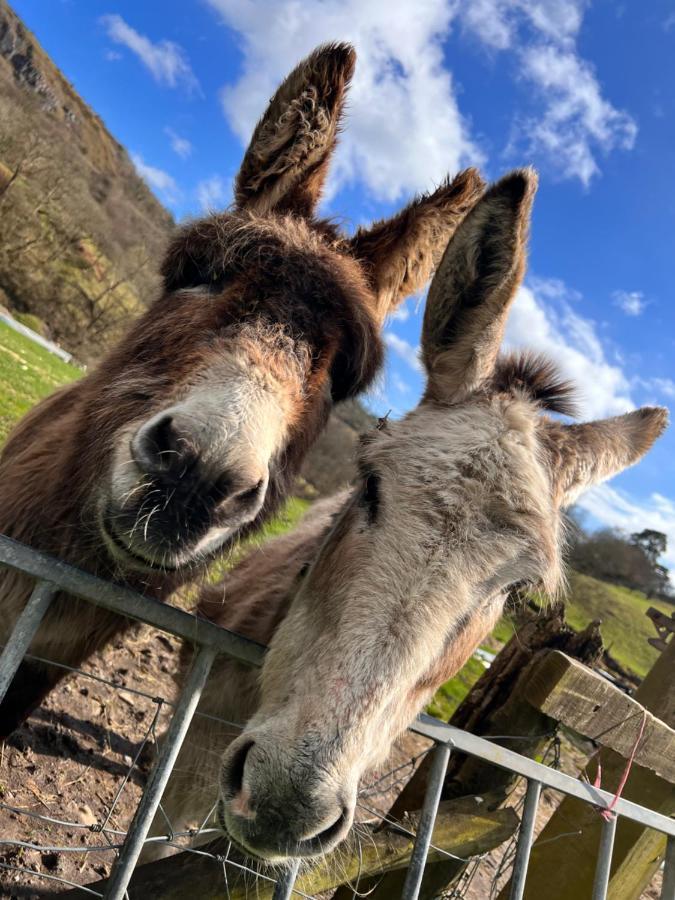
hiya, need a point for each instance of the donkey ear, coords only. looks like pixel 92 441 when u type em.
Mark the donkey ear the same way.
pixel 401 253
pixel 287 160
pixel 472 290
pixel 582 455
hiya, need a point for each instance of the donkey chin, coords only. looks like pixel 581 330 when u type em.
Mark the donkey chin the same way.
pixel 173 527
pixel 144 556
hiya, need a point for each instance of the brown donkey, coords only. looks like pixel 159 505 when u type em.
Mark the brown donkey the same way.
pixel 383 593
pixel 193 428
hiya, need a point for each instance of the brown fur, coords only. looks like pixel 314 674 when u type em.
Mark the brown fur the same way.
pixel 265 287
pixel 287 160
pixel 404 251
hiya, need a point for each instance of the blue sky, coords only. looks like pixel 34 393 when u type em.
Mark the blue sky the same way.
pixel 581 90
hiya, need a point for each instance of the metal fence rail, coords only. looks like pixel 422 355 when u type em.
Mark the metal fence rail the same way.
pixel 53 576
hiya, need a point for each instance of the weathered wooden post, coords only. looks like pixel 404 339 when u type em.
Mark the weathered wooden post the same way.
pixel 638 851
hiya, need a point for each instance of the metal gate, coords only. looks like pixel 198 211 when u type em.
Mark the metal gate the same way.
pixel 52 576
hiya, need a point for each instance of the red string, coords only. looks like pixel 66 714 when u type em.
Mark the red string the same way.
pixel 607 812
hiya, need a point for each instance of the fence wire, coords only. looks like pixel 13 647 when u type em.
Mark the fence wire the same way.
pixel 381 787
pixel 118 840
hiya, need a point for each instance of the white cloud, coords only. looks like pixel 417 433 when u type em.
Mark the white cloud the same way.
pixel 542 319
pixel 631 302
pixel 405 126
pixel 166 60
pixel 663 386
pixel 576 117
pixel 574 121
pixel 213 193
pixel 617 510
pixel 400 384
pixel 405 131
pixel 401 313
pixel 495 22
pixel 180 145
pixel 156 178
pixel 406 351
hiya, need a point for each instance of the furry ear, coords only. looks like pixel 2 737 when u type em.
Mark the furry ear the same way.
pixel 582 455
pixel 286 163
pixel 400 254
pixel 471 292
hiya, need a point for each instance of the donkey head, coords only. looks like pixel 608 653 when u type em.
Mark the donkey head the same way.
pixel 268 317
pixel 458 501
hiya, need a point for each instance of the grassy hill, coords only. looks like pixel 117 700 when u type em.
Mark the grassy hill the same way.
pixel 28 373
pixel 82 234
pixel 622 612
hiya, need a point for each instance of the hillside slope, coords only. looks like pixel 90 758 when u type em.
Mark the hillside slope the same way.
pixel 81 234
pixel 623 616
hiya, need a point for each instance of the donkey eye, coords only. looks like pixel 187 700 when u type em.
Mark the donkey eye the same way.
pixel 370 497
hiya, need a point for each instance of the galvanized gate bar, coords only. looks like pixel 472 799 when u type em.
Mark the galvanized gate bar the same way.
pixel 24 632
pixel 284 887
pixel 128 603
pixel 604 863
pixel 668 886
pixel 525 836
pixel 425 826
pixel 154 788
pixel 528 768
pixel 53 576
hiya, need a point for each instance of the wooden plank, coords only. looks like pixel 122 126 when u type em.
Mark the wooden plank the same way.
pixel 460 829
pixel 569 692
pixel 568 843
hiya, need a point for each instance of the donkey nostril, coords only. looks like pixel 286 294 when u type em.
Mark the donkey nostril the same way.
pixel 158 446
pixel 234 776
pixel 250 495
pixel 332 833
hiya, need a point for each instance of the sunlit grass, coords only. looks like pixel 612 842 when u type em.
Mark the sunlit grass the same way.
pixel 28 373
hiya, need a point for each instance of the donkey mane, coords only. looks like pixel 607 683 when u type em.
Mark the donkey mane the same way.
pixel 537 378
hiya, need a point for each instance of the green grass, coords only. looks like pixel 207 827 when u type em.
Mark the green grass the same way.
pixel 28 373
pixel 622 612
pixel 448 697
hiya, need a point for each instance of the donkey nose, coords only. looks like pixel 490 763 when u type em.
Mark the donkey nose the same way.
pixel 169 445
pixel 275 817
pixel 160 446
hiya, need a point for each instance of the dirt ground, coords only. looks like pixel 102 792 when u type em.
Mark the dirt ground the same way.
pixel 70 760
pixel 83 755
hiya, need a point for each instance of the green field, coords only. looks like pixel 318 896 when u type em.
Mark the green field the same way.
pixel 623 624
pixel 622 612
pixel 28 373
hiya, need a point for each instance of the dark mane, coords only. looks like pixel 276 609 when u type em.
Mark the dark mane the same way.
pixel 535 376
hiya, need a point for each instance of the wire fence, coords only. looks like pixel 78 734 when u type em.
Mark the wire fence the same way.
pixel 122 842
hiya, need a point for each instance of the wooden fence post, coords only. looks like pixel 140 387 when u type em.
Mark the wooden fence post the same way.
pixel 569 842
